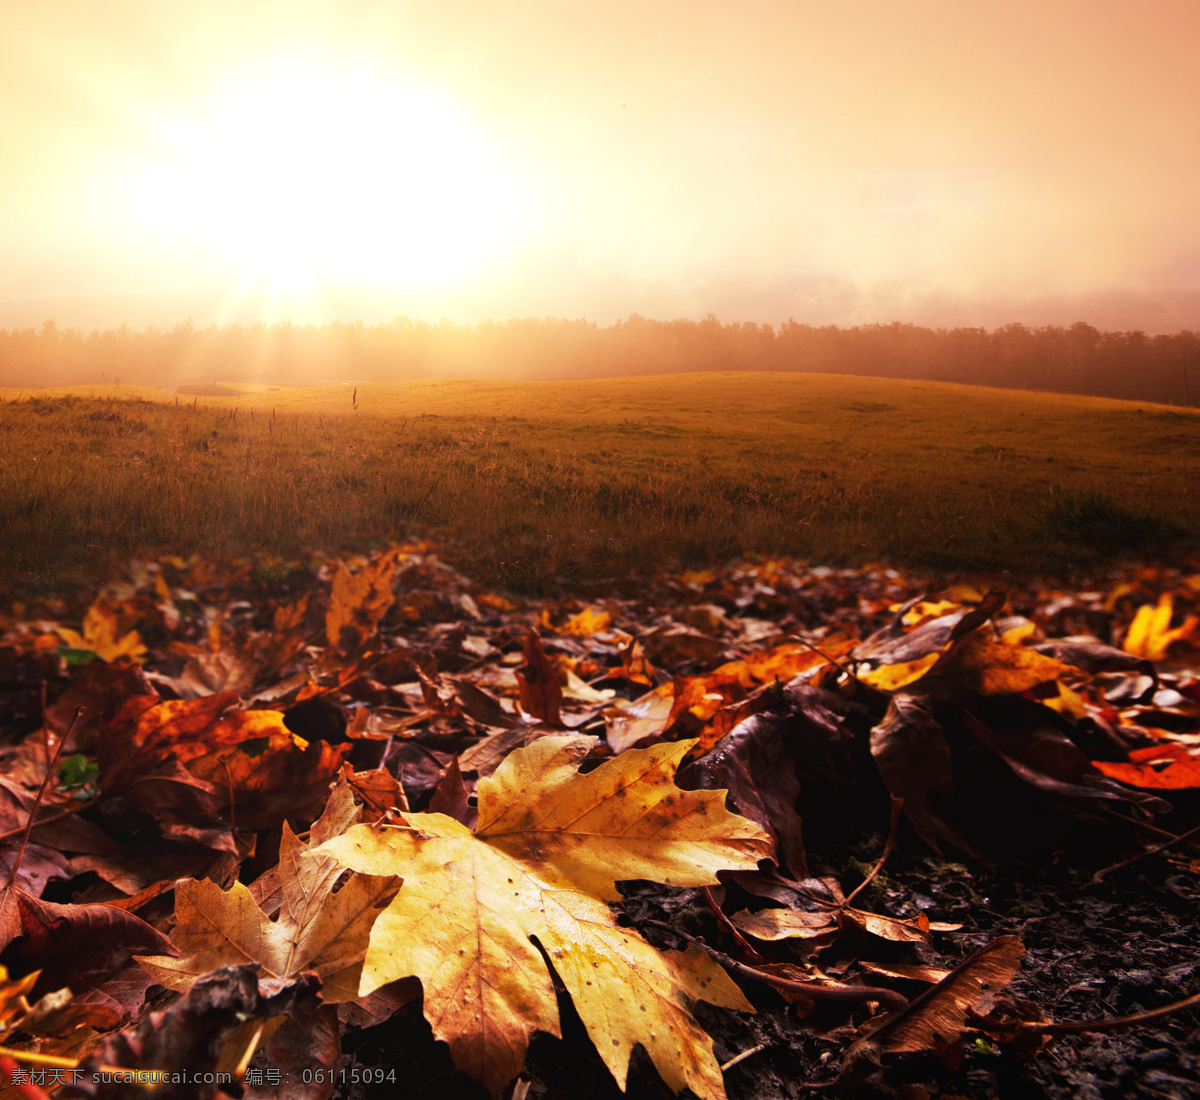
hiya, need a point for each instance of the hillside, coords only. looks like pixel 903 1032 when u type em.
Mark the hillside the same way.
pixel 597 482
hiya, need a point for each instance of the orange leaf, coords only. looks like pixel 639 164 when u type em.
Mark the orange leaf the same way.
pixel 357 601
pixel 1168 767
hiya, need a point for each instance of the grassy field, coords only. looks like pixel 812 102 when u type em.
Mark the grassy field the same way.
pixel 587 483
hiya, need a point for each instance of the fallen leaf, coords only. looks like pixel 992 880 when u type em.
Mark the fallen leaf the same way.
pixel 677 643
pixel 89 948
pixel 978 663
pixel 186 1038
pixel 100 635
pixel 1025 736
pixel 550 845
pixel 585 623
pixel 540 691
pixel 785 924
pixel 310 1045
pixel 379 790
pixel 315 929
pixel 245 759
pixel 896 644
pixel 914 972
pixel 358 601
pixel 1150 635
pixel 756 763
pixel 885 927
pixel 936 1020
pixel 646 716
pixel 1169 767
pixel 452 798
pixel 914 761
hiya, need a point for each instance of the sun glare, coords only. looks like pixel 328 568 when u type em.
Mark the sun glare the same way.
pixel 306 179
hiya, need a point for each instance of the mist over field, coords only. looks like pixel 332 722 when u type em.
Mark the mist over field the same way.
pixel 1078 359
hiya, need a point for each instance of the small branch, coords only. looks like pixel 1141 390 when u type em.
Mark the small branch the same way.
pixel 45 731
pixel 1100 875
pixel 1109 1023
pixel 240 1070
pixel 743 1056
pixel 70 811
pixel 53 1061
pixel 1132 822
pixel 887 997
pixel 728 927
pixel 893 825
pixel 832 660
pixel 12 874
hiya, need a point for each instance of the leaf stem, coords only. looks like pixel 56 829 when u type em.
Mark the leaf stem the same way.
pixel 893 825
pixel 12 874
pixel 1100 875
pixel 887 997
pixel 1109 1023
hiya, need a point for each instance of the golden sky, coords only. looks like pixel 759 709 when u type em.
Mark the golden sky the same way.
pixel 848 161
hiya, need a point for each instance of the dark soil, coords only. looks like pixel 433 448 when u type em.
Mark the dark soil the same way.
pixel 1120 947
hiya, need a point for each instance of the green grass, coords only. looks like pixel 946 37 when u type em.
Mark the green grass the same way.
pixel 587 483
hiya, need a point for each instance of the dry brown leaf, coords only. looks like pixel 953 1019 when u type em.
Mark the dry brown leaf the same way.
pixel 786 924
pixel 316 929
pixel 913 758
pixel 540 691
pixel 886 928
pixel 936 1020
pixel 358 601
pixel 549 848
pixel 646 716
pixel 247 757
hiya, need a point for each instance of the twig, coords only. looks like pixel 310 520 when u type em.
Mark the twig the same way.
pixel 893 825
pixel 809 989
pixel 1133 823
pixel 1109 1023
pixel 728 926
pixel 70 811
pixel 12 874
pixel 1099 875
pixel 743 1056
pixel 251 1047
pixel 45 731
pixel 53 1061
pixel 832 660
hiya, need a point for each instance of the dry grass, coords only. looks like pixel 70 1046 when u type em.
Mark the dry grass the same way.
pixel 594 482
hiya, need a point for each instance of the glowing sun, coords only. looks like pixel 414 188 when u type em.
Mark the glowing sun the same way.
pixel 305 178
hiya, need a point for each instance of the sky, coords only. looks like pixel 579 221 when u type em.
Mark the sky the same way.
pixel 833 162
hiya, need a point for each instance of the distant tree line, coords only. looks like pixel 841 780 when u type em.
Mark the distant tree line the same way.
pixel 1078 359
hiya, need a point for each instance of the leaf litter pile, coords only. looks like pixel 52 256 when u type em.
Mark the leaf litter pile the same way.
pixel 370 830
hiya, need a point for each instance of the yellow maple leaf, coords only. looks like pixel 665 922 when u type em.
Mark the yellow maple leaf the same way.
pixel 100 635
pixel 548 850
pixel 975 662
pixel 1150 634
pixel 981 663
pixel 358 601
pixel 315 929
pixel 899 675
pixel 587 622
